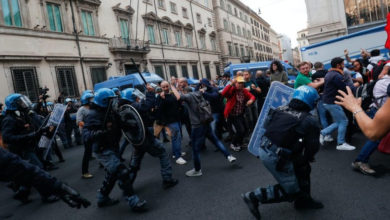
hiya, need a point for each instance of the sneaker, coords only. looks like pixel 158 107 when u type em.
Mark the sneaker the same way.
pixel 363 167
pixel 252 204
pixel 231 159
pixel 345 146
pixel 328 138
pixel 170 183
pixel 193 172
pixel 182 154
pixel 181 161
pixel 322 139
pixel 87 176
pixel 140 207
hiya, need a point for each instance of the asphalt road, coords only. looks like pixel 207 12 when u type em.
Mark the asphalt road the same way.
pixel 216 195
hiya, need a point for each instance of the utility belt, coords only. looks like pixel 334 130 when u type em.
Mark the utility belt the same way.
pixel 284 155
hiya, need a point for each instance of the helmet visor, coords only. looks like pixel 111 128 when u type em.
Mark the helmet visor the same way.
pixel 139 94
pixel 24 102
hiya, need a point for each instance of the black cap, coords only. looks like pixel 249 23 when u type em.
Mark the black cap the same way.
pixel 335 61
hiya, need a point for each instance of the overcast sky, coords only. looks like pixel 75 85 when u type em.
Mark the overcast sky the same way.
pixel 284 16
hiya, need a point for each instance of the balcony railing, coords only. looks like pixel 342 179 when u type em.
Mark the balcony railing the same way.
pixel 127 44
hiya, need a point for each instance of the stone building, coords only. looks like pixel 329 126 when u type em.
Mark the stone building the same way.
pixel 276 52
pixel 261 38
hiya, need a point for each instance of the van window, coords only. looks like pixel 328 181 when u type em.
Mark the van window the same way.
pixel 292 71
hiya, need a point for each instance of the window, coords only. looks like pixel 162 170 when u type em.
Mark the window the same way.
pixel 172 70
pixel 213 44
pixel 98 74
pixel 241 15
pixel 242 51
pixel 125 30
pixel 198 18
pixel 25 82
pixel 225 25
pixel 86 17
pixel 208 72
pixel 217 70
pixel 230 49
pixel 184 71
pixel 161 4
pixel 222 4
pixel 244 32
pixel 362 12
pixel 173 7
pixel 229 8
pixel 184 11
pixel 233 28
pixel 189 39
pixel 54 15
pixel 202 40
pixel 238 30
pixel 158 69
pixel 195 73
pixel 235 11
pixel 151 35
pixel 67 82
pixel 165 36
pixel 11 13
pixel 210 22
pixel 178 38
pixel 237 50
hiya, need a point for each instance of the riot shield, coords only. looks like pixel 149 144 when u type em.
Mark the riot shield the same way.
pixel 278 95
pixel 132 125
pixel 55 119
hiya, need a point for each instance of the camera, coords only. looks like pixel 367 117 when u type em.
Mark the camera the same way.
pixel 43 92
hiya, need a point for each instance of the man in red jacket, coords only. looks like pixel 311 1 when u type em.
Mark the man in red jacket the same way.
pixel 237 98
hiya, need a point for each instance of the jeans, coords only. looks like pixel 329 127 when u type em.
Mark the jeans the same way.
pixel 87 155
pixel 340 121
pixel 215 124
pixel 322 114
pixel 370 146
pixel 123 146
pixel 198 135
pixel 239 126
pixel 176 138
pixel 211 135
pixel 155 148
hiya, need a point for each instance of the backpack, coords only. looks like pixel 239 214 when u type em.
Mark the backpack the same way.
pixel 366 92
pixel 203 108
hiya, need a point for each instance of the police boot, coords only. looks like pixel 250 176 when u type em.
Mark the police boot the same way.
pixel 50 199
pixel 252 203
pixel 103 195
pixel 307 202
pixel 22 195
pixel 136 204
pixel 170 183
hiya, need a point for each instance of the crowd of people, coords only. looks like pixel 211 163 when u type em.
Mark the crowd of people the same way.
pixel 324 101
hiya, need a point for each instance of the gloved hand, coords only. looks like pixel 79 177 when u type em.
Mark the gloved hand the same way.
pixel 48 131
pixel 71 197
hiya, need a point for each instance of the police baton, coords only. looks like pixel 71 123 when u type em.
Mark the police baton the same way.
pixel 139 72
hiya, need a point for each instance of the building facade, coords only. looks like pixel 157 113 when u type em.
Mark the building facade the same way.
pixel 233 30
pixel 70 45
pixel 261 38
pixel 285 45
pixel 276 52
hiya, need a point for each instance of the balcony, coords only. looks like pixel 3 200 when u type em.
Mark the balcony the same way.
pixel 126 45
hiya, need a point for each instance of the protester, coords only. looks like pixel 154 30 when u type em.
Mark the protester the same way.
pixel 304 77
pixel 237 98
pixel 251 111
pixel 169 117
pixel 277 72
pixel 200 130
pixel 263 82
pixel 334 81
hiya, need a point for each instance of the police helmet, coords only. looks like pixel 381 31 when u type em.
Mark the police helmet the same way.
pixel 87 91
pixel 67 100
pixel 85 98
pixel 103 96
pixel 49 103
pixel 128 94
pixel 306 94
pixel 115 90
pixel 17 101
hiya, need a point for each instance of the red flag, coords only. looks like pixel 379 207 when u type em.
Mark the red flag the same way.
pixel 387 28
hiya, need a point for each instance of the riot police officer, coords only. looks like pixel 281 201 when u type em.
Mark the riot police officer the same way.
pixel 103 132
pixel 151 144
pixel 287 148
pixel 21 129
